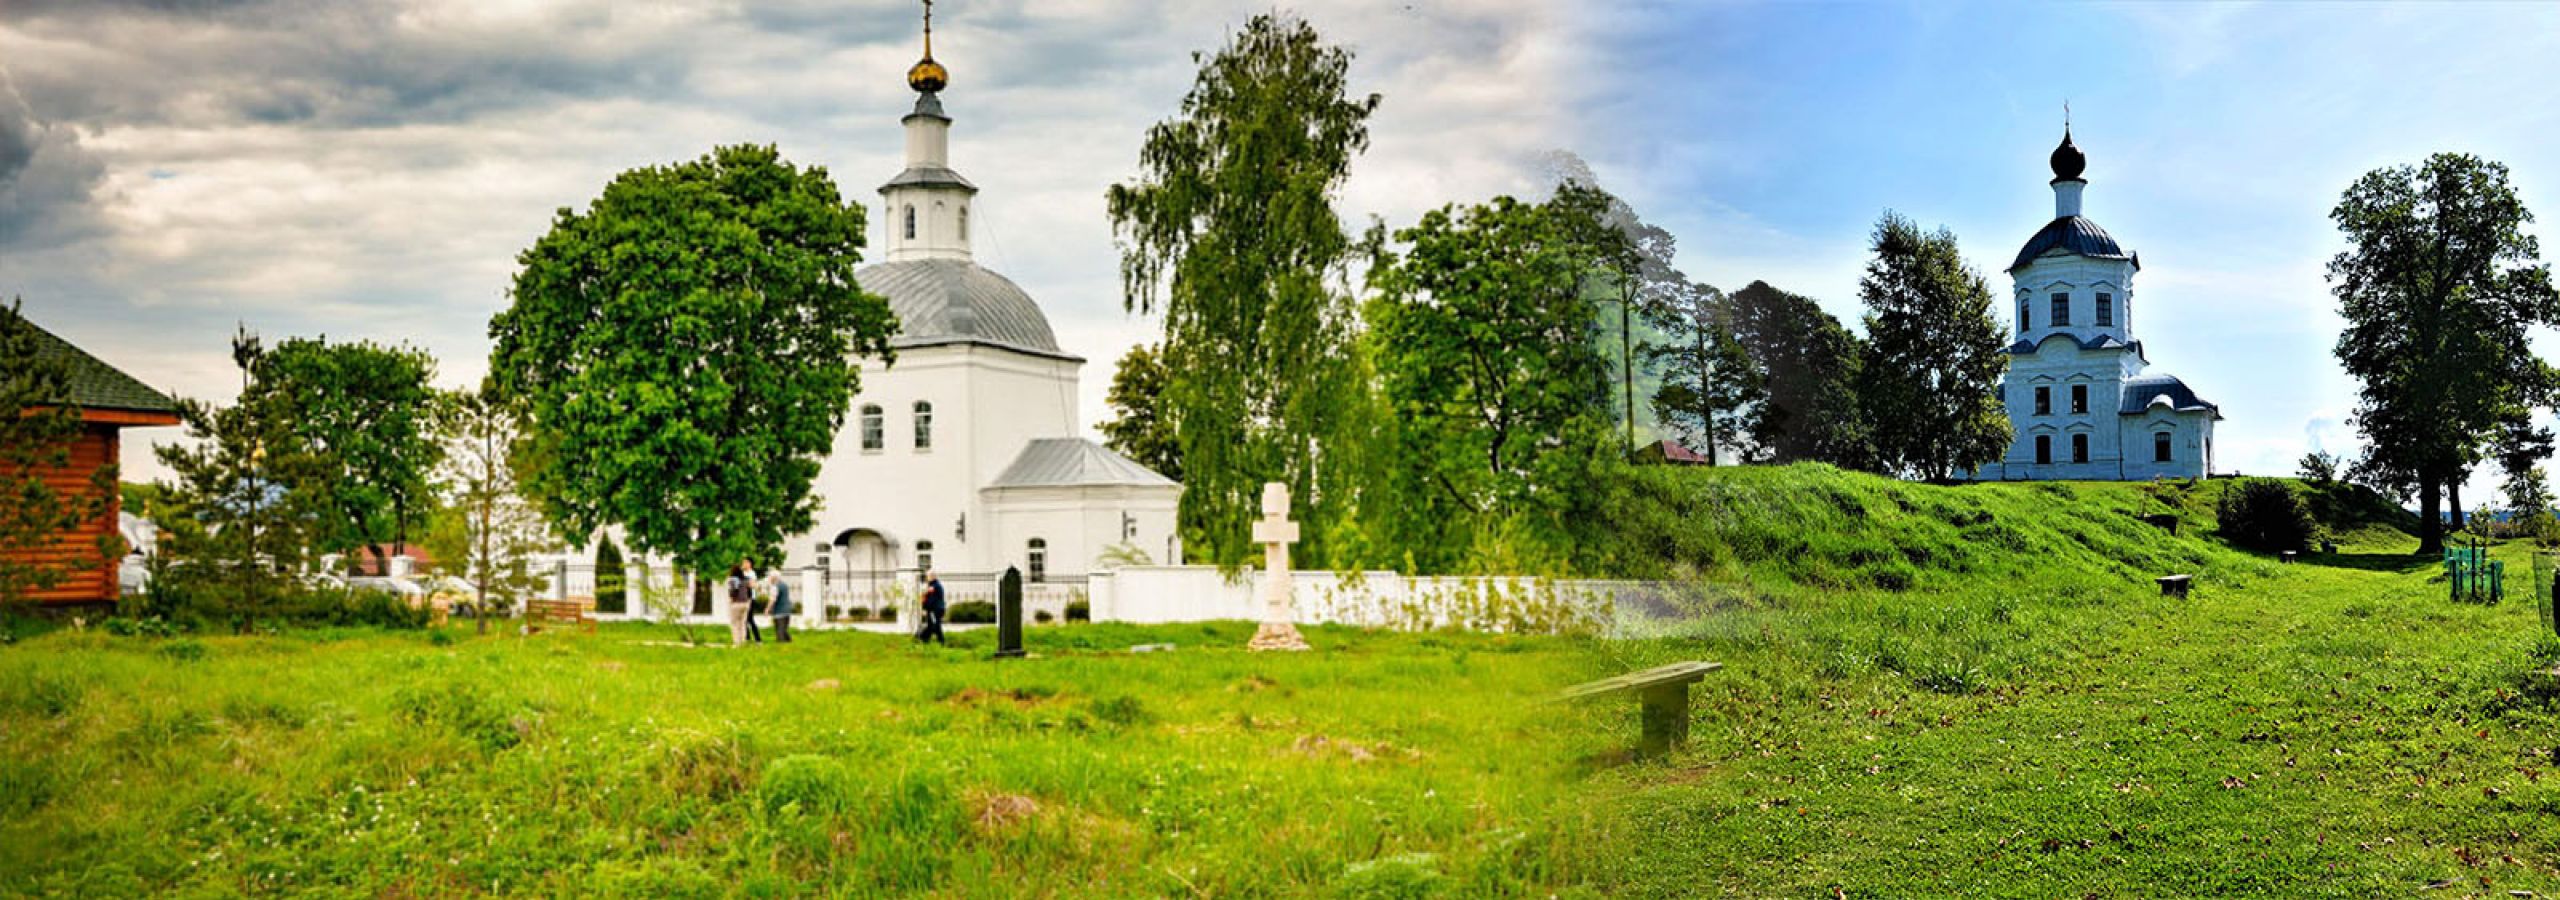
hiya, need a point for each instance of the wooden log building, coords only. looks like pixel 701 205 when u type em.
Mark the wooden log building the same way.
pixel 109 401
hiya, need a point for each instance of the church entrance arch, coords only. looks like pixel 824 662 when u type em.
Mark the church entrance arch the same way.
pixel 866 561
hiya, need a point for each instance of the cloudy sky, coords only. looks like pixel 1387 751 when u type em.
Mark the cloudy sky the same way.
pixel 2219 136
pixel 369 168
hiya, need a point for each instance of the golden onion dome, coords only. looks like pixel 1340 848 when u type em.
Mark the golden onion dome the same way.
pixel 927 76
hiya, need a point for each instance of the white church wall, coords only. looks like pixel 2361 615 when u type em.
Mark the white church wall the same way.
pixel 2083 278
pixel 1378 599
pixel 1079 523
pixel 899 490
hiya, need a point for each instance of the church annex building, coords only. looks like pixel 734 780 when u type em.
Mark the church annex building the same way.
pixel 2082 405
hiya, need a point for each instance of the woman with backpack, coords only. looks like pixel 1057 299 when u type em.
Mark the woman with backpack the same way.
pixel 742 598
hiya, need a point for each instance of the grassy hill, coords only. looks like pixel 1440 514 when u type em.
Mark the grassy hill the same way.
pixel 1978 691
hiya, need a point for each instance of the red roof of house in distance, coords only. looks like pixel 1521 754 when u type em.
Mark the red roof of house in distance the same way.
pixel 1670 451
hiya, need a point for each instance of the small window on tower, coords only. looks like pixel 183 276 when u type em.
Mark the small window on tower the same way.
pixel 2079 399
pixel 2023 323
pixel 2079 448
pixel 2160 446
pixel 2044 401
pixel 911 223
pixel 2044 449
pixel 2106 309
pixel 2061 309
pixel 964 223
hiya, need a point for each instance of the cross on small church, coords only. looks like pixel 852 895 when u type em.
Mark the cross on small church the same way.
pixel 1275 533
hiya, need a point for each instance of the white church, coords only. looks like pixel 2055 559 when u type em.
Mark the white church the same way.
pixel 966 457
pixel 2076 391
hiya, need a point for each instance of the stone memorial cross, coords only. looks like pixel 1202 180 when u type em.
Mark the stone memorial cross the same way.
pixel 1275 533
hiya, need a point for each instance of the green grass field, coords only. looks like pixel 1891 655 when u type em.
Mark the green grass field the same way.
pixel 1929 692
pixel 2030 718
pixel 846 765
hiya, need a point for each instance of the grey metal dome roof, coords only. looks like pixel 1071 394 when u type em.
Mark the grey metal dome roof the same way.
pixel 2075 234
pixel 955 301
pixel 2140 391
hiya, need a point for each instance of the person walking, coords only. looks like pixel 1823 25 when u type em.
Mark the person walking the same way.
pixel 755 604
pixel 933 609
pixel 740 593
pixel 781 609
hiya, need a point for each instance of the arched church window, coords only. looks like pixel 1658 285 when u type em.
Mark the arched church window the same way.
pixel 924 556
pixel 911 222
pixel 1039 565
pixel 2044 401
pixel 2106 309
pixel 924 425
pixel 2079 448
pixel 872 430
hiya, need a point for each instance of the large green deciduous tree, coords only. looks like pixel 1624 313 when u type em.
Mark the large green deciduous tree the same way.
pixel 1140 426
pixel 1486 348
pixel 1929 384
pixel 38 427
pixel 1807 366
pixel 1230 232
pixel 683 352
pixel 2439 284
pixel 361 417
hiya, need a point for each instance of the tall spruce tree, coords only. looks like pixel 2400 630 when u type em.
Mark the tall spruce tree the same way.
pixel 1930 381
pixel 240 535
pixel 2439 284
pixel 1806 364
pixel 1230 232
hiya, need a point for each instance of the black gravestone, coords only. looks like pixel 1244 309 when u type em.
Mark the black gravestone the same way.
pixel 1009 614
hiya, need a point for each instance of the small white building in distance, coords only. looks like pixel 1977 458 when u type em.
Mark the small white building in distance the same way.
pixel 2076 391
pixel 966 455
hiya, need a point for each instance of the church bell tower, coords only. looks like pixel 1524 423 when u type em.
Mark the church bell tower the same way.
pixel 928 204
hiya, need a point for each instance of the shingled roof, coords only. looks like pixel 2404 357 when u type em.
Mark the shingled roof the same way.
pixel 96 385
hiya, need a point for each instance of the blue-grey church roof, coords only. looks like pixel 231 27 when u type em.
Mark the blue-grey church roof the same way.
pixel 955 301
pixel 2140 390
pixel 1076 462
pixel 2076 235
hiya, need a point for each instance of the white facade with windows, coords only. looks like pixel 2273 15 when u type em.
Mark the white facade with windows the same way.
pixel 965 455
pixel 2076 390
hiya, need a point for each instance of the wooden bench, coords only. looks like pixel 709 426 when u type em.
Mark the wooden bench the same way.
pixel 2285 556
pixel 2174 585
pixel 565 612
pixel 1662 691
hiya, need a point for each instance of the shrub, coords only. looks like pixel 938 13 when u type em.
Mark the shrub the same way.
pixel 2265 515
pixel 1043 617
pixel 1079 611
pixel 857 614
pixel 888 613
pixel 612 596
pixel 972 612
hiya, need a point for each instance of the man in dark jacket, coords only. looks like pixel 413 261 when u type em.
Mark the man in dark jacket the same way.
pixel 933 609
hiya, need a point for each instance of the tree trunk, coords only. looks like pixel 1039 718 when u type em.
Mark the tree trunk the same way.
pixel 2430 517
pixel 2453 487
pixel 1706 403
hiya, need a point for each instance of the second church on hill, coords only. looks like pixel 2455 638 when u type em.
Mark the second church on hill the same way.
pixel 2076 391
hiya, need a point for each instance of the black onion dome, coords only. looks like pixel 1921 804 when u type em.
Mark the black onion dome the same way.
pixel 2067 161
pixel 2075 235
